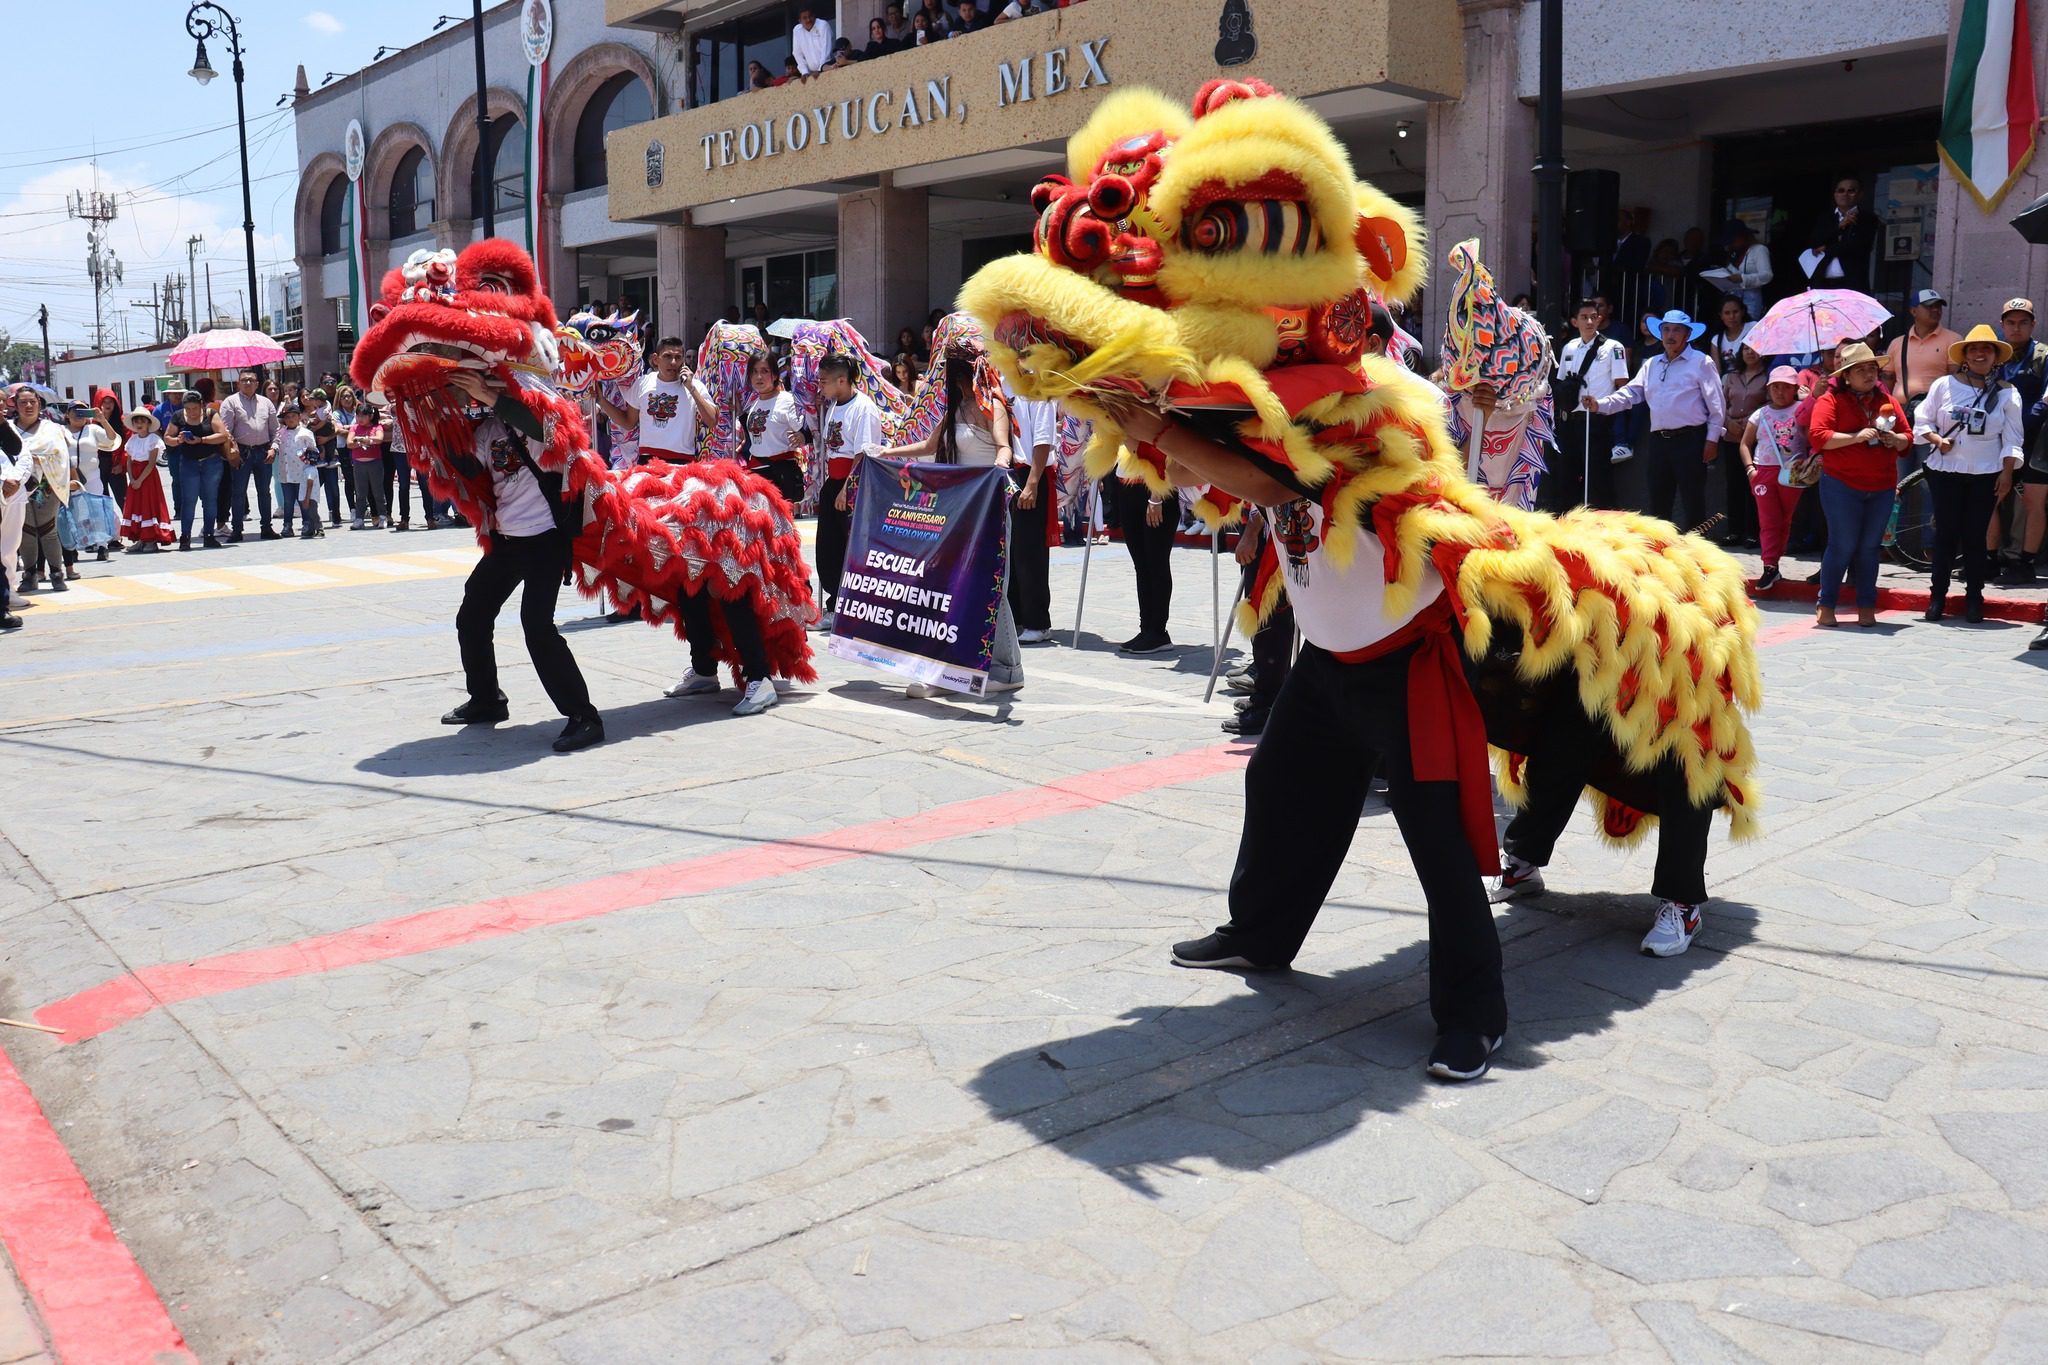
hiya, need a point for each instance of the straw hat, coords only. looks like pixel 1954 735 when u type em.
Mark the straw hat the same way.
pixel 1850 356
pixel 1980 335
pixel 142 420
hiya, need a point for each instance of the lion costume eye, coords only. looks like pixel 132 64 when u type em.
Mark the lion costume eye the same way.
pixel 1271 227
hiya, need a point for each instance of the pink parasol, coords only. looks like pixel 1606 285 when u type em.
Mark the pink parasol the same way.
pixel 225 348
pixel 1814 321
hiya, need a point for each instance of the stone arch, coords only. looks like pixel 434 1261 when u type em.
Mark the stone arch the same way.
pixel 386 150
pixel 571 89
pixel 458 152
pixel 319 173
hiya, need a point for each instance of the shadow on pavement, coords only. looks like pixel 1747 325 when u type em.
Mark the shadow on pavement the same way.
pixel 455 751
pixel 1278 1103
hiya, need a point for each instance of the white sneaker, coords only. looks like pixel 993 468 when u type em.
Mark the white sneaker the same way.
pixel 823 625
pixel 1033 637
pixel 1516 879
pixel 1673 931
pixel 759 696
pixel 1621 455
pixel 923 691
pixel 693 684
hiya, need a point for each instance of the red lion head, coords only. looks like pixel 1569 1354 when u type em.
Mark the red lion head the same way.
pixel 441 311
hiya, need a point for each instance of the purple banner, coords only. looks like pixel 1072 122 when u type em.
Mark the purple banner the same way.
pixel 926 559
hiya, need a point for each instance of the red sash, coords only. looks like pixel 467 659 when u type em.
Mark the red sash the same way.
pixel 1446 733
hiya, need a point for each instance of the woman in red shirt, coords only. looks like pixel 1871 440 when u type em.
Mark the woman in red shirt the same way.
pixel 1859 428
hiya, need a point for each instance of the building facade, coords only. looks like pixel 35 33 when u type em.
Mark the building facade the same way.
pixel 872 191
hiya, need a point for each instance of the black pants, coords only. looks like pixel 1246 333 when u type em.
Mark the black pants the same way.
pixel 1031 560
pixel 1304 792
pixel 1962 516
pixel 1272 649
pixel 534 563
pixel 1565 485
pixel 237 490
pixel 1151 550
pixel 1674 469
pixel 787 476
pixel 1741 523
pixel 1557 774
pixel 114 475
pixel 833 527
pixel 742 623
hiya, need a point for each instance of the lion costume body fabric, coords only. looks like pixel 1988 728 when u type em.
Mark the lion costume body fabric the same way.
pixel 648 533
pixel 1221 265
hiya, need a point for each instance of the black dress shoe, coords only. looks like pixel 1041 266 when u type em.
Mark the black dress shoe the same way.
pixel 184 542
pixel 474 712
pixel 1973 609
pixel 2040 641
pixel 269 534
pixel 9 621
pixel 580 733
pixel 209 542
pixel 1248 722
pixel 1936 608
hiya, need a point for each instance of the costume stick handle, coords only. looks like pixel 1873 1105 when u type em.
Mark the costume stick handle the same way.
pixel 1472 469
pixel 1229 624
pixel 1087 550
pixel 1216 591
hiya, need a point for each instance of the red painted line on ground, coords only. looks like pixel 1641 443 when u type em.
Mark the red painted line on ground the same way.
pixel 1790 630
pixel 95 1302
pixel 94 1011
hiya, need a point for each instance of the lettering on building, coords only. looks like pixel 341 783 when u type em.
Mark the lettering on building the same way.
pixel 881 112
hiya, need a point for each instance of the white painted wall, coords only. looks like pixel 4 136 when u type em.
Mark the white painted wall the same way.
pixel 1614 45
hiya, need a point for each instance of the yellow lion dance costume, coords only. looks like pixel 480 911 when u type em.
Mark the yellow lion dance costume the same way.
pixel 1221 265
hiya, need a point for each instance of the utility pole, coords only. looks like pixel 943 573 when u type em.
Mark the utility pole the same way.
pixel 156 311
pixel 210 314
pixel 193 246
pixel 97 210
pixel 43 318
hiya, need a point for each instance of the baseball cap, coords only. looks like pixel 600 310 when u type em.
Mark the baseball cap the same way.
pixel 2017 306
pixel 1784 374
pixel 1928 297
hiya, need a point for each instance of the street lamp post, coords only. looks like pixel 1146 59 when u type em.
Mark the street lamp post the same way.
pixel 485 190
pixel 204 20
pixel 1550 167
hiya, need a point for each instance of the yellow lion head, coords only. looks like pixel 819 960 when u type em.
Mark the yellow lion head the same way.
pixel 1236 235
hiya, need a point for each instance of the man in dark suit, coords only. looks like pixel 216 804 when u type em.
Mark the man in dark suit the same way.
pixel 1843 236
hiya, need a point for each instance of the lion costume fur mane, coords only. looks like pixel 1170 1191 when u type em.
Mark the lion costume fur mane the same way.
pixel 649 533
pixel 1221 263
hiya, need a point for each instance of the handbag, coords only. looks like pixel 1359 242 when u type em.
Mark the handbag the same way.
pixel 1566 388
pixel 1803 472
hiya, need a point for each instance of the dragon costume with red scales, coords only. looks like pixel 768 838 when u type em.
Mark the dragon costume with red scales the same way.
pixel 648 533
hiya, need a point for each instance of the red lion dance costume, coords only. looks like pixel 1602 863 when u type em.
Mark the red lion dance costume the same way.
pixel 648 533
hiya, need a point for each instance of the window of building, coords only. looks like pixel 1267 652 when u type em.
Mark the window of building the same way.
pixel 412 195
pixel 801 284
pixel 333 209
pixel 719 56
pixel 506 141
pixel 619 103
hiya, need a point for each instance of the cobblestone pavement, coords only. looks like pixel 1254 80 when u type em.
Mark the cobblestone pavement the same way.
pixel 928 1090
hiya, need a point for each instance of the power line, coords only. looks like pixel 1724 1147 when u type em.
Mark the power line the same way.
pixel 94 149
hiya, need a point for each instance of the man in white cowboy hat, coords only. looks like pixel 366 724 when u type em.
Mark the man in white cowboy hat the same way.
pixel 1683 390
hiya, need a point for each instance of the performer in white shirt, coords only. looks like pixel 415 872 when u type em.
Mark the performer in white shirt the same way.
pixel 665 405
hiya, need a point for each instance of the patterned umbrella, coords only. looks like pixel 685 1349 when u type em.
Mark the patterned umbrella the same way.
pixel 1816 320
pixel 225 348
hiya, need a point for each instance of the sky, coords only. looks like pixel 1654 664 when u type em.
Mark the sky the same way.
pixel 166 149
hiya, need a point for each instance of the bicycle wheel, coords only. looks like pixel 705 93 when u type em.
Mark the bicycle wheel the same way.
pixel 1913 521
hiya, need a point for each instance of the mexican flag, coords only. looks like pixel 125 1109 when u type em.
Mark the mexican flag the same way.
pixel 1989 118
